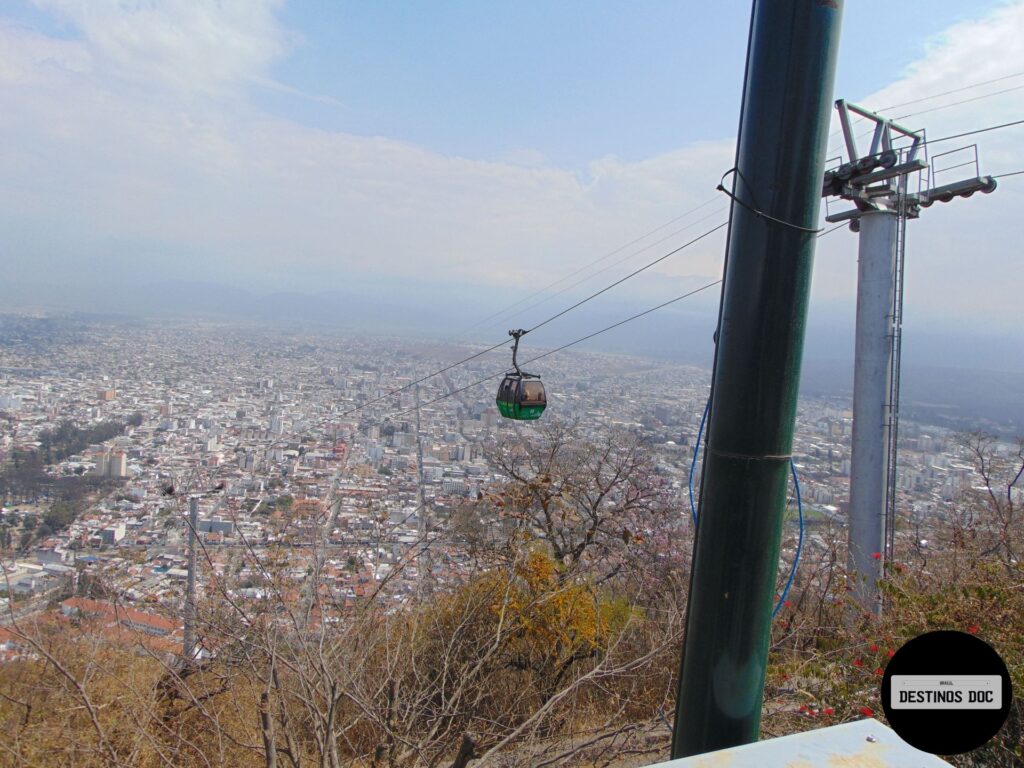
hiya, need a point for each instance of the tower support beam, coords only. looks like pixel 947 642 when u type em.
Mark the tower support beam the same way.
pixel 876 263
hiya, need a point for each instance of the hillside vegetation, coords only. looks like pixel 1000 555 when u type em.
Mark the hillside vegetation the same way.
pixel 557 645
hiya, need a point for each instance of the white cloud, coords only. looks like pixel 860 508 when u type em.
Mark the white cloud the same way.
pixel 970 52
pixel 28 57
pixel 959 255
pixel 138 131
pixel 187 45
pixel 108 159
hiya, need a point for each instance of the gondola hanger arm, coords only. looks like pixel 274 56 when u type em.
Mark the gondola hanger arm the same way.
pixel 515 347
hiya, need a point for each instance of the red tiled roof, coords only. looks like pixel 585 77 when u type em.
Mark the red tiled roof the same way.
pixel 121 614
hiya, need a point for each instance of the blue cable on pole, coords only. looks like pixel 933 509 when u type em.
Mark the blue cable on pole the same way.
pixel 799 509
pixel 693 464
pixel 799 540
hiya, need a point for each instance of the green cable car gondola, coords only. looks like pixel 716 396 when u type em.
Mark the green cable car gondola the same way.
pixel 521 395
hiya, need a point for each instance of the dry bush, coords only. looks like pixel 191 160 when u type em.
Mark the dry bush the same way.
pixel 828 656
pixel 558 646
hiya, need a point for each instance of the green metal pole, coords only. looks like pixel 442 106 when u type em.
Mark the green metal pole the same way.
pixel 779 161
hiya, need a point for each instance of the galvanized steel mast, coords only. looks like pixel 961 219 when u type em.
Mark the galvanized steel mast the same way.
pixel 877 182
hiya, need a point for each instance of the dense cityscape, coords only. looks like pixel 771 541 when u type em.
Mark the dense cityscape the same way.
pixel 274 431
pixel 735 478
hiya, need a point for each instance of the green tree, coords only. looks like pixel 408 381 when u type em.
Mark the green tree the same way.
pixel 59 516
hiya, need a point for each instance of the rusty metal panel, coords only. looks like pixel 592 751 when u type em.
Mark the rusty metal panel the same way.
pixel 861 744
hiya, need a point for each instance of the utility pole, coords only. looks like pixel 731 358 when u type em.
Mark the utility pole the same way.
pixel 423 564
pixel 877 183
pixel 776 196
pixel 189 643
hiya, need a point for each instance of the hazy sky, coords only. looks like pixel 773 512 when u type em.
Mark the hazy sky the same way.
pixel 491 147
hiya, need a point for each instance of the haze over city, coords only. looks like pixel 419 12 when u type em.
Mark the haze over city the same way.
pixel 444 161
pixel 278 488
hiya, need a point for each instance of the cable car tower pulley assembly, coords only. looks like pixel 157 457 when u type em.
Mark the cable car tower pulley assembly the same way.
pixel 521 395
pixel 878 184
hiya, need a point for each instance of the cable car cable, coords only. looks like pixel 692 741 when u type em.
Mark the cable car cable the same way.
pixel 580 340
pixel 597 261
pixel 522 401
pixel 947 93
pixel 622 260
pixel 977 130
pixel 634 273
pixel 958 103
pixel 411 384
pixel 554 317
pixel 833 229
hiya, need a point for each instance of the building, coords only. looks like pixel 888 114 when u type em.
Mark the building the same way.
pixel 35 584
pixel 118 615
pixel 118 465
pixel 454 486
pixel 102 467
pixel 112 534
pixel 490 417
pixel 110 464
pixel 12 648
pixel 216 525
pixel 51 555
